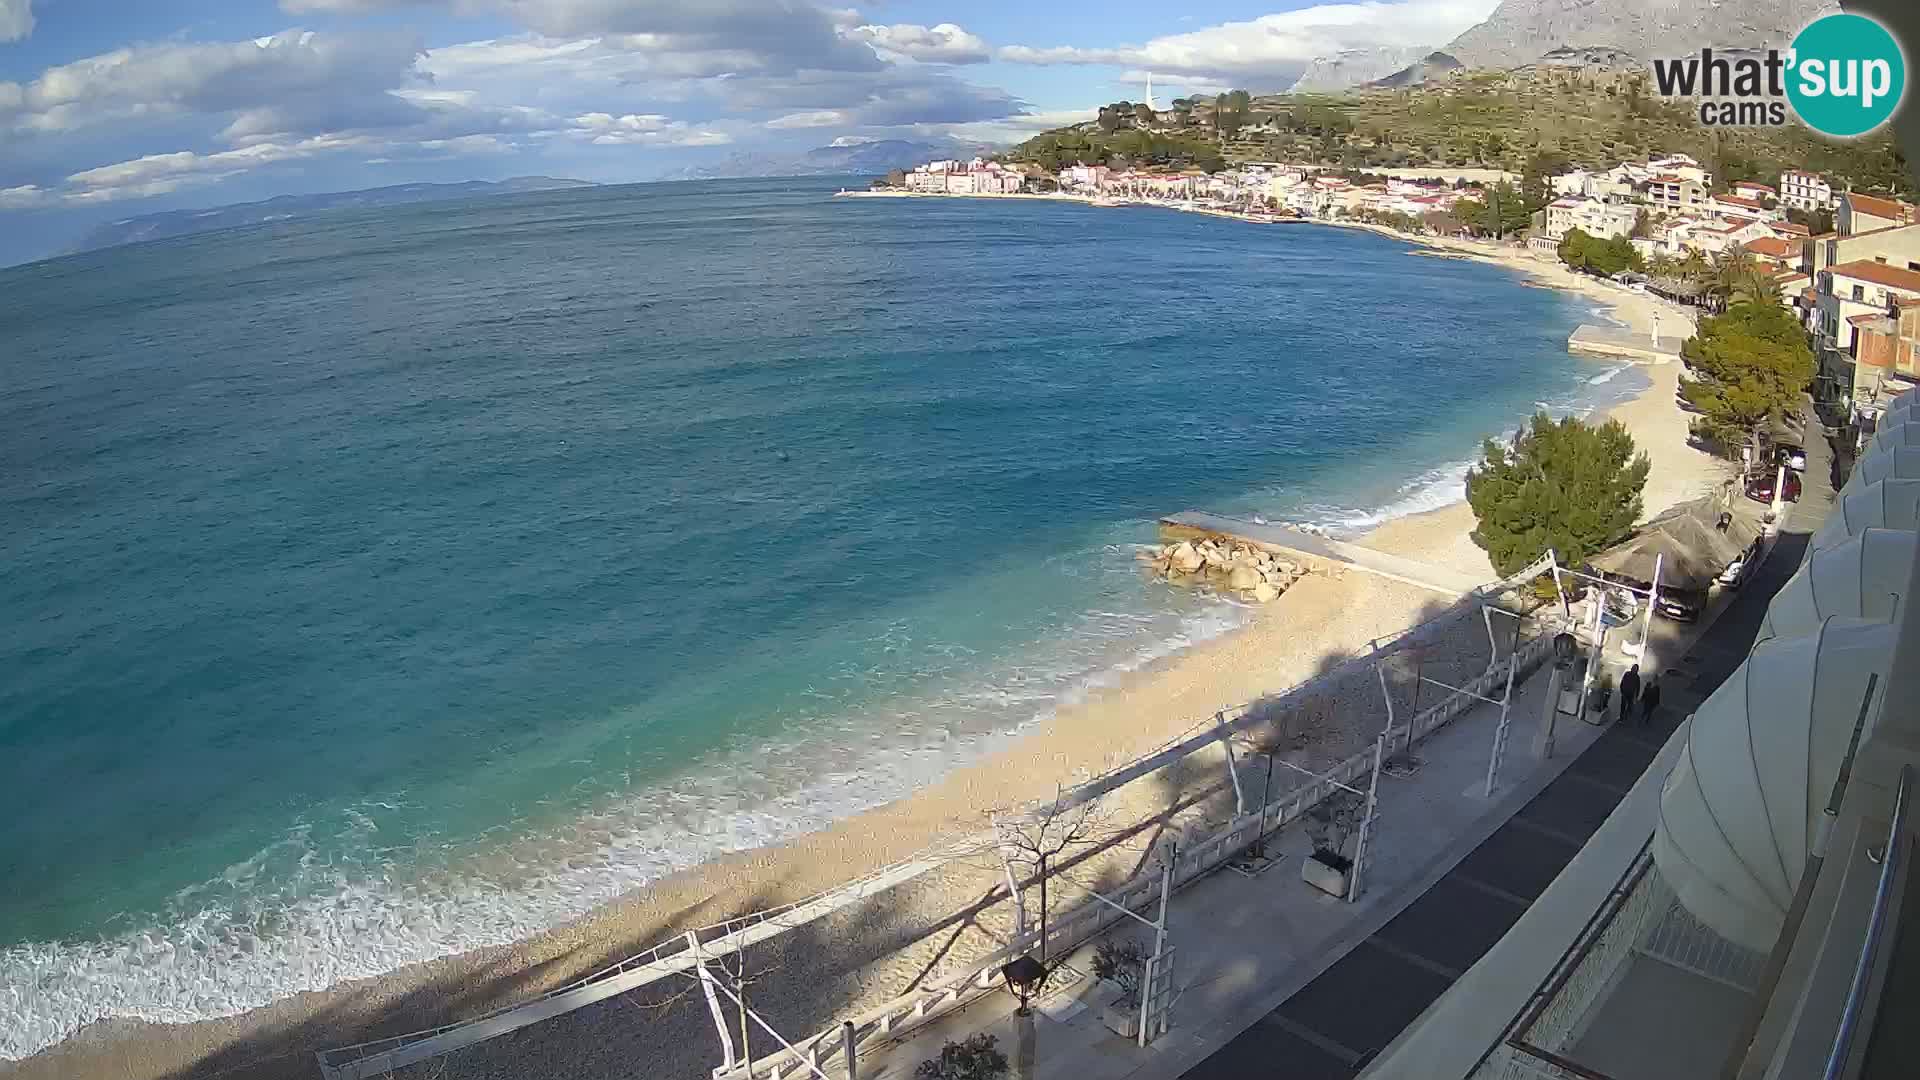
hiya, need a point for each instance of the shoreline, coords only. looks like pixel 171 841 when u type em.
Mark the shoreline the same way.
pixel 1283 643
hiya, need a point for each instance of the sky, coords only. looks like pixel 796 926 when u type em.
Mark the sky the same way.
pixel 114 108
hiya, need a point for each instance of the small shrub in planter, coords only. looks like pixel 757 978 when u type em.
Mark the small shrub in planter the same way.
pixel 974 1058
pixel 1122 962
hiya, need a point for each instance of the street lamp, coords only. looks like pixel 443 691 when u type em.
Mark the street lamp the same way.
pixel 1024 974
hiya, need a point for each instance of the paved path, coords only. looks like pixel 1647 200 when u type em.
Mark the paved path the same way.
pixel 1411 571
pixel 1355 1008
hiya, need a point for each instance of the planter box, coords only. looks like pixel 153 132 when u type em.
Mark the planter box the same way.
pixel 1326 872
pixel 1122 1018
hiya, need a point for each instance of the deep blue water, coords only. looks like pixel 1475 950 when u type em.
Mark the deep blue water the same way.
pixel 401 581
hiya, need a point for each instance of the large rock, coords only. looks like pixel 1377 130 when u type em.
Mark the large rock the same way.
pixel 1244 576
pixel 1265 593
pixel 1186 559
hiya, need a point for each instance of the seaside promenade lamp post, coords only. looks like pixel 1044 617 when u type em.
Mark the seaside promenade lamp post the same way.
pixel 1024 974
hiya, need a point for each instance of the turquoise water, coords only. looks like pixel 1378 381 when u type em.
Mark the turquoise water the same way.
pixel 398 582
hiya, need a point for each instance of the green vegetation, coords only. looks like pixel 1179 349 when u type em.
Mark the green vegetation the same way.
pixel 1749 365
pixel 975 1058
pixel 1502 212
pixel 1538 123
pixel 1121 149
pixel 1565 485
pixel 1583 251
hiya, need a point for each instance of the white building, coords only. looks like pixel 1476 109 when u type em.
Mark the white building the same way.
pixel 1084 176
pixel 976 177
pixel 1805 190
pixel 1604 220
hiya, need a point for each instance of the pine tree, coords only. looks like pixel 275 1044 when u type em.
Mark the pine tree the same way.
pixel 1566 485
pixel 1749 365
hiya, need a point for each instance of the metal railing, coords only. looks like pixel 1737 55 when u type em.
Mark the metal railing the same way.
pixel 1085 921
pixel 676 955
pixel 1890 859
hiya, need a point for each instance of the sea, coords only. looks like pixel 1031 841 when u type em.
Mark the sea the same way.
pixel 392 583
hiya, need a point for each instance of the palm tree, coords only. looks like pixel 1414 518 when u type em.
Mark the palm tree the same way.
pixel 1737 278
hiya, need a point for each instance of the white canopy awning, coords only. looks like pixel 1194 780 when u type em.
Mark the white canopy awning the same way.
pixel 1889 504
pixel 1743 805
pixel 1861 578
pixel 1881 462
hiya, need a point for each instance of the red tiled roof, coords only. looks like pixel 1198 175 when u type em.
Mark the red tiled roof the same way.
pixel 1882 208
pixel 1772 247
pixel 1751 204
pixel 1751 184
pixel 1862 320
pixel 1892 277
pixel 1790 227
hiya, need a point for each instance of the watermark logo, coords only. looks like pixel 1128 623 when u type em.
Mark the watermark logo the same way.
pixel 1848 75
pixel 1845 75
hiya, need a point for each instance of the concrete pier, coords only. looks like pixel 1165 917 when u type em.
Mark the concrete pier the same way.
pixel 1620 344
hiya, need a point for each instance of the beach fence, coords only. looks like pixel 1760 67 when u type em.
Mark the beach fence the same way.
pixel 688 953
pixel 822 1054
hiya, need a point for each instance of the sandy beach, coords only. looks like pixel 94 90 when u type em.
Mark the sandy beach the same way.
pixel 912 935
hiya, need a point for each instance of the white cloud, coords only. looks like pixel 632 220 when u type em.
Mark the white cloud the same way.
pixel 942 44
pixel 156 173
pixel 1278 46
pixel 1011 129
pixel 645 129
pixel 24 196
pixel 16 20
pixel 291 82
pixel 815 118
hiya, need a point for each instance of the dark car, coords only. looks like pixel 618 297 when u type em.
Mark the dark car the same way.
pixel 1680 605
pixel 1760 488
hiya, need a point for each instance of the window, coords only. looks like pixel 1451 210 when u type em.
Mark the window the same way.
pixel 1859 292
pixel 1881 259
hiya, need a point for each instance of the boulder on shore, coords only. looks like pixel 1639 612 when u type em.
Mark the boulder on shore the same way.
pixel 1185 559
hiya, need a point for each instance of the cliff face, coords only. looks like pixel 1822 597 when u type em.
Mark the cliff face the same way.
pixel 1521 31
pixel 1354 67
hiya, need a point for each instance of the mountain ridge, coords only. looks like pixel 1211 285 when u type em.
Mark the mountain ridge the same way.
pixel 1522 31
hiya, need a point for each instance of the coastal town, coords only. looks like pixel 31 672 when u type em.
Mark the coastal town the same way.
pixel 1846 262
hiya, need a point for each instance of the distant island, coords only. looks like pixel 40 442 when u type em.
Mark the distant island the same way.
pixel 284 207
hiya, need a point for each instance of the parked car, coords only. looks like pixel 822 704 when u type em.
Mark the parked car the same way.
pixel 1793 457
pixel 1735 573
pixel 1681 605
pixel 1760 488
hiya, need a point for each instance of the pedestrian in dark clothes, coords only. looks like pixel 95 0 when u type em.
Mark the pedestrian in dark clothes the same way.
pixel 1629 691
pixel 1649 701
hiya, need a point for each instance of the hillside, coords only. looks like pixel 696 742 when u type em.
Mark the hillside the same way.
pixel 1354 67
pixel 1595 116
pixel 1520 31
pixel 283 207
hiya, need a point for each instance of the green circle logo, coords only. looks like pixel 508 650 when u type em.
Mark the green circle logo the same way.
pixel 1846 75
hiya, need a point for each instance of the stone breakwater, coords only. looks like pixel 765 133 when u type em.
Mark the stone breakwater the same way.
pixel 1228 565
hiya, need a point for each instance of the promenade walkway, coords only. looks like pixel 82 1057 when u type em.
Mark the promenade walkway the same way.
pixel 1277 979
pixel 1246 940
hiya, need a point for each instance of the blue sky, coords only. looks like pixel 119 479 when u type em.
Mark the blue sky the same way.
pixel 110 108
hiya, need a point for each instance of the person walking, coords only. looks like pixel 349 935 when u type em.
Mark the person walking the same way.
pixel 1649 701
pixel 1629 692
